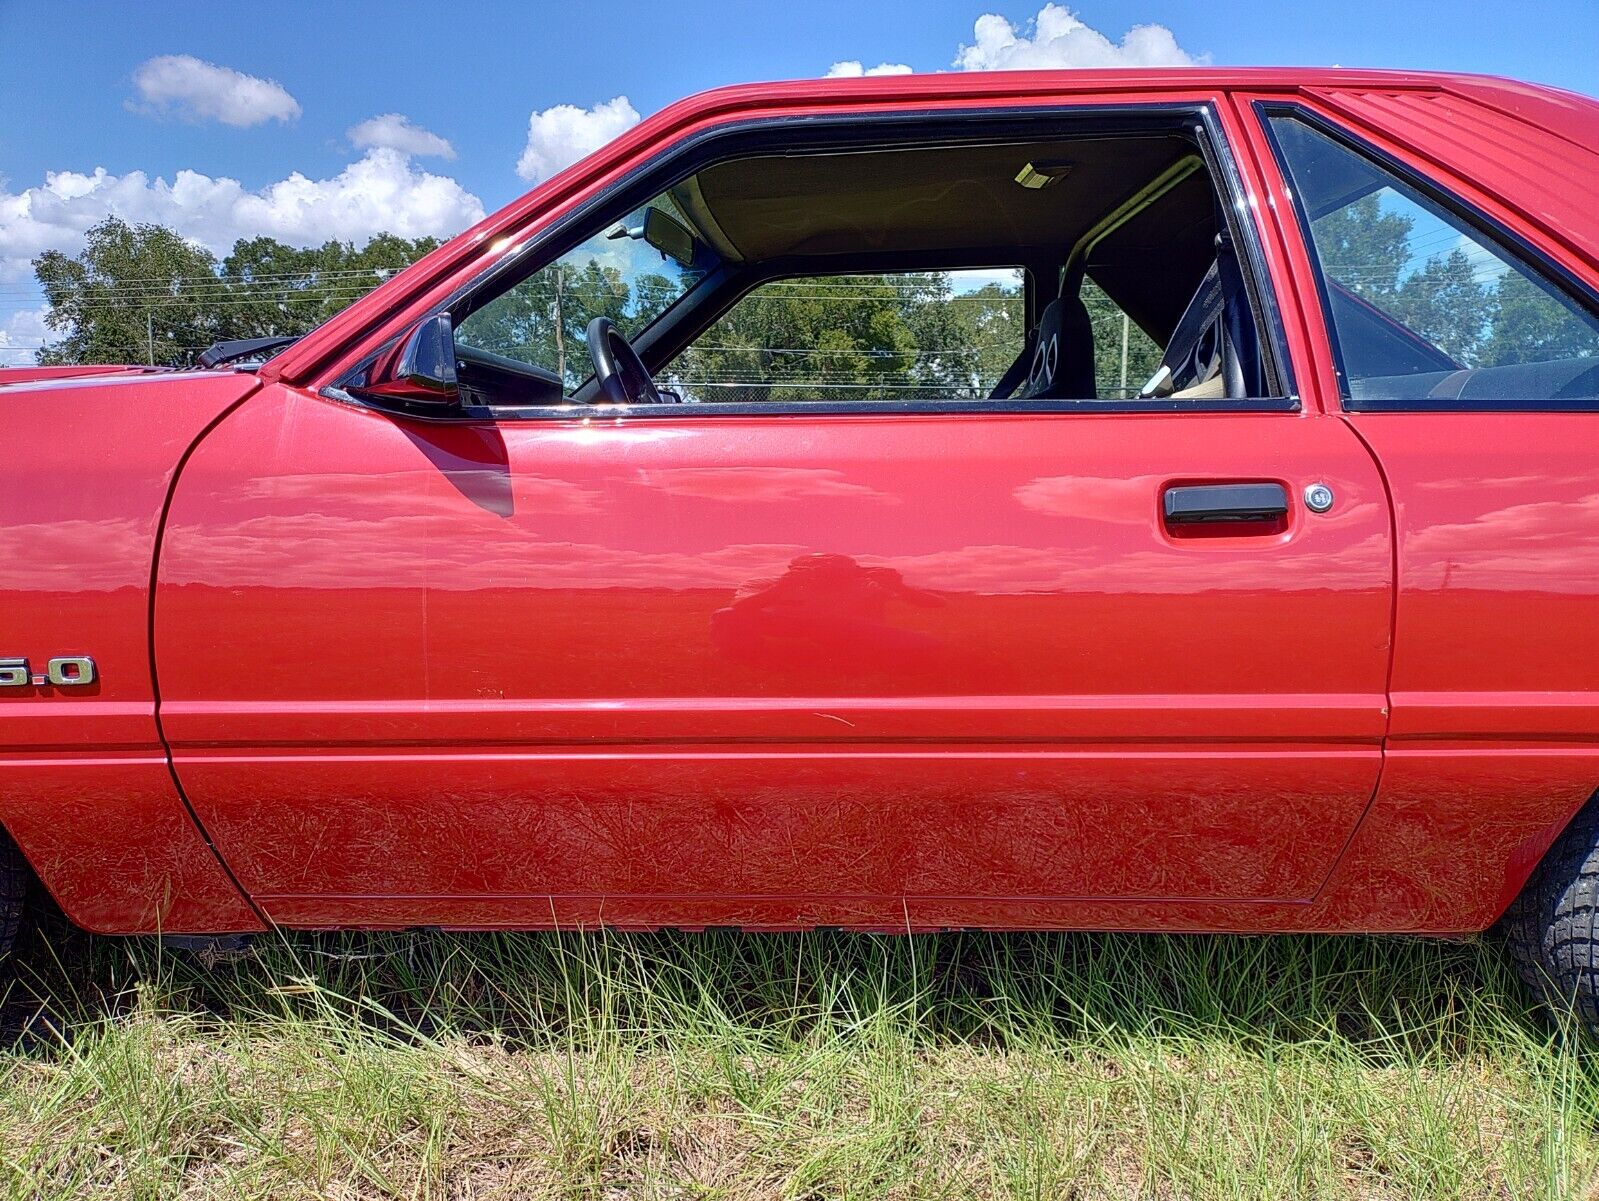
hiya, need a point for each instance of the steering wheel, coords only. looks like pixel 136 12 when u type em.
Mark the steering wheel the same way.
pixel 618 370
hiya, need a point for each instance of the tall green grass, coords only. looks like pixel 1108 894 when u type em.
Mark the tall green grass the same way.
pixel 790 1066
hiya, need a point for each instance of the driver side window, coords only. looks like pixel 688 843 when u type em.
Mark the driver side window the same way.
pixel 880 276
pixel 542 321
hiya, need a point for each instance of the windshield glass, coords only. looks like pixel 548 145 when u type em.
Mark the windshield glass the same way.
pixel 542 321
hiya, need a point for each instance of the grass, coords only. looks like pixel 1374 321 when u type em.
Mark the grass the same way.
pixel 793 1066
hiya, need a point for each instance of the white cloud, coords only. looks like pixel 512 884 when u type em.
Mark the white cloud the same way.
pixel 21 335
pixel 201 91
pixel 395 132
pixel 853 69
pixel 1060 39
pixel 558 136
pixel 380 192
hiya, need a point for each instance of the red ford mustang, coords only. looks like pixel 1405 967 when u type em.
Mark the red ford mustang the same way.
pixel 1135 500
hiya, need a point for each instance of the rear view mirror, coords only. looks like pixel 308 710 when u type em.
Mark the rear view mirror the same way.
pixel 665 233
pixel 670 236
pixel 421 369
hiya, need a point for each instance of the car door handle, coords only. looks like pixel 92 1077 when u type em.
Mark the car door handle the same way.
pixel 1208 504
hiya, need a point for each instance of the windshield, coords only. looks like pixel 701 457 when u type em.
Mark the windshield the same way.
pixel 542 321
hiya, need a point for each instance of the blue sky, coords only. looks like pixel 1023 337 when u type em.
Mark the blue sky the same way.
pixel 210 153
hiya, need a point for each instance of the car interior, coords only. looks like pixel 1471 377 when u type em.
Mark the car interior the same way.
pixel 1135 216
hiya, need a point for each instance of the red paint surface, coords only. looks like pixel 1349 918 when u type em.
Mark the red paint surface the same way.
pixel 574 673
pixel 85 789
pixel 28 375
pixel 579 658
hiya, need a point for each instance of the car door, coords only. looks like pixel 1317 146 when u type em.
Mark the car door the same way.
pixel 815 665
pixel 1462 341
pixel 913 665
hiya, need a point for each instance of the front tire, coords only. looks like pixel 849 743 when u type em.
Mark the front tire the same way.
pixel 1552 928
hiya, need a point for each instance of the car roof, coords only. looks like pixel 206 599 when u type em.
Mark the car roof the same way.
pixel 1571 115
pixel 1086 79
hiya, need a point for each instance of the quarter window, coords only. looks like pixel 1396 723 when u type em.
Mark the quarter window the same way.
pixel 948 334
pixel 1424 306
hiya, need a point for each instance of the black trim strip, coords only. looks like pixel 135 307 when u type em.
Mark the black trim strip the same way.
pixel 1557 273
pixel 854 408
pixel 1476 404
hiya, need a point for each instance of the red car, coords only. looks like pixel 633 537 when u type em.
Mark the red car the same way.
pixel 1114 500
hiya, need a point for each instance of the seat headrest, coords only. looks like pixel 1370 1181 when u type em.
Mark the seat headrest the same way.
pixel 1046 352
pixel 1063 353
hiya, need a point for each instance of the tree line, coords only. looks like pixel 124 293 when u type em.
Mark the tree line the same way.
pixel 1469 305
pixel 143 294
pixel 859 337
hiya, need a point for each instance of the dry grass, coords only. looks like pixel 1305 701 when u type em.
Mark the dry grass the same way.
pixel 815 1066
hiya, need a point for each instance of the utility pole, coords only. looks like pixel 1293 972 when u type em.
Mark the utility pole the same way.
pixel 1124 356
pixel 149 337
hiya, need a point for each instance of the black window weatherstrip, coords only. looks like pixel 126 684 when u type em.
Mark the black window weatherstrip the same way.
pixel 600 414
pixel 1017 124
pixel 1474 404
pixel 1491 229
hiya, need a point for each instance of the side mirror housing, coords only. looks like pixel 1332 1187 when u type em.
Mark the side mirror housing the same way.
pixel 421 369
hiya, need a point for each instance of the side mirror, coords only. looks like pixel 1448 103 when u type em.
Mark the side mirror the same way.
pixel 421 370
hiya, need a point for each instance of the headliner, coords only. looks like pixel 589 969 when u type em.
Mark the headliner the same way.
pixel 964 198
pixel 917 199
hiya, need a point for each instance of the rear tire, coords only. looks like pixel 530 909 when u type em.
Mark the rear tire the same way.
pixel 1552 929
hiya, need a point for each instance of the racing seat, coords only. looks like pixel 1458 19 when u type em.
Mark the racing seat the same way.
pixel 1202 358
pixel 1062 366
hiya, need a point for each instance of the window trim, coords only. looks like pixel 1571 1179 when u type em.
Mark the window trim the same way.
pixel 699 150
pixel 1495 233
pixel 590 413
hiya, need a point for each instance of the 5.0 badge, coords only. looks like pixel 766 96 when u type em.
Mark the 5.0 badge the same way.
pixel 68 671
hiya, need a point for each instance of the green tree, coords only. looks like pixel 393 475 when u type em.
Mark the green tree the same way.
pixel 136 293
pixel 1443 302
pixel 860 337
pixel 1111 326
pixel 1364 248
pixel 964 341
pixel 544 319
pixel 143 294
pixel 1530 325
pixel 272 288
pixel 800 339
